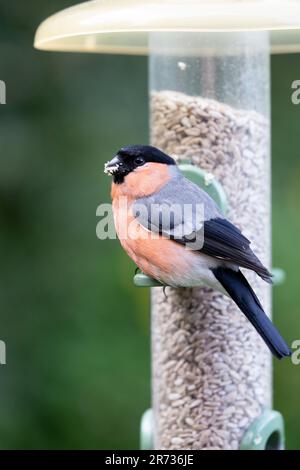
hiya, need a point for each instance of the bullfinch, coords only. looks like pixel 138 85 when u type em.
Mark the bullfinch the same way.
pixel 182 251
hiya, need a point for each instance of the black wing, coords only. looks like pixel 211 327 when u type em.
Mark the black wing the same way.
pixel 225 241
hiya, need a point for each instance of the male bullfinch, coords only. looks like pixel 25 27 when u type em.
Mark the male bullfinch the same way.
pixel 162 247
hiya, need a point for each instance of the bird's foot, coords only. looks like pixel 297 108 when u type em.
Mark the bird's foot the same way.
pixel 164 291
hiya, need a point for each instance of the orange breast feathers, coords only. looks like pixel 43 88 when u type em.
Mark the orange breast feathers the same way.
pixel 155 255
pixel 143 181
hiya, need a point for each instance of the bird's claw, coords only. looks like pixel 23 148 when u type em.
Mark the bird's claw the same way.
pixel 164 291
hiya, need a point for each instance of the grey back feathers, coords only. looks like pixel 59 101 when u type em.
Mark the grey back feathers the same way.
pixel 177 210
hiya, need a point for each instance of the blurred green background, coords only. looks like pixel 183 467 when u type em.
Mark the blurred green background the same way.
pixel 77 331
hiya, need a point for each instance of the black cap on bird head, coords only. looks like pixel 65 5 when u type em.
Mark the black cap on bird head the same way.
pixel 129 158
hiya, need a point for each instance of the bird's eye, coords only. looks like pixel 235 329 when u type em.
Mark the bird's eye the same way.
pixel 138 161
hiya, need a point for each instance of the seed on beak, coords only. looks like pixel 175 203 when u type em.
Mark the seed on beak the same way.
pixel 112 166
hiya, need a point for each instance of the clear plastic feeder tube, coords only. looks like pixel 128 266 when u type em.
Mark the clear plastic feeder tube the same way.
pixel 209 101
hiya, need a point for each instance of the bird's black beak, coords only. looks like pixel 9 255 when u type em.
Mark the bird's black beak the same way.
pixel 113 166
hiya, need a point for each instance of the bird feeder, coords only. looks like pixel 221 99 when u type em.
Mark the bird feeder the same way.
pixel 209 92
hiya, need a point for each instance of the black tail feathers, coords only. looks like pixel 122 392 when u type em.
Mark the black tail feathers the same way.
pixel 237 286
